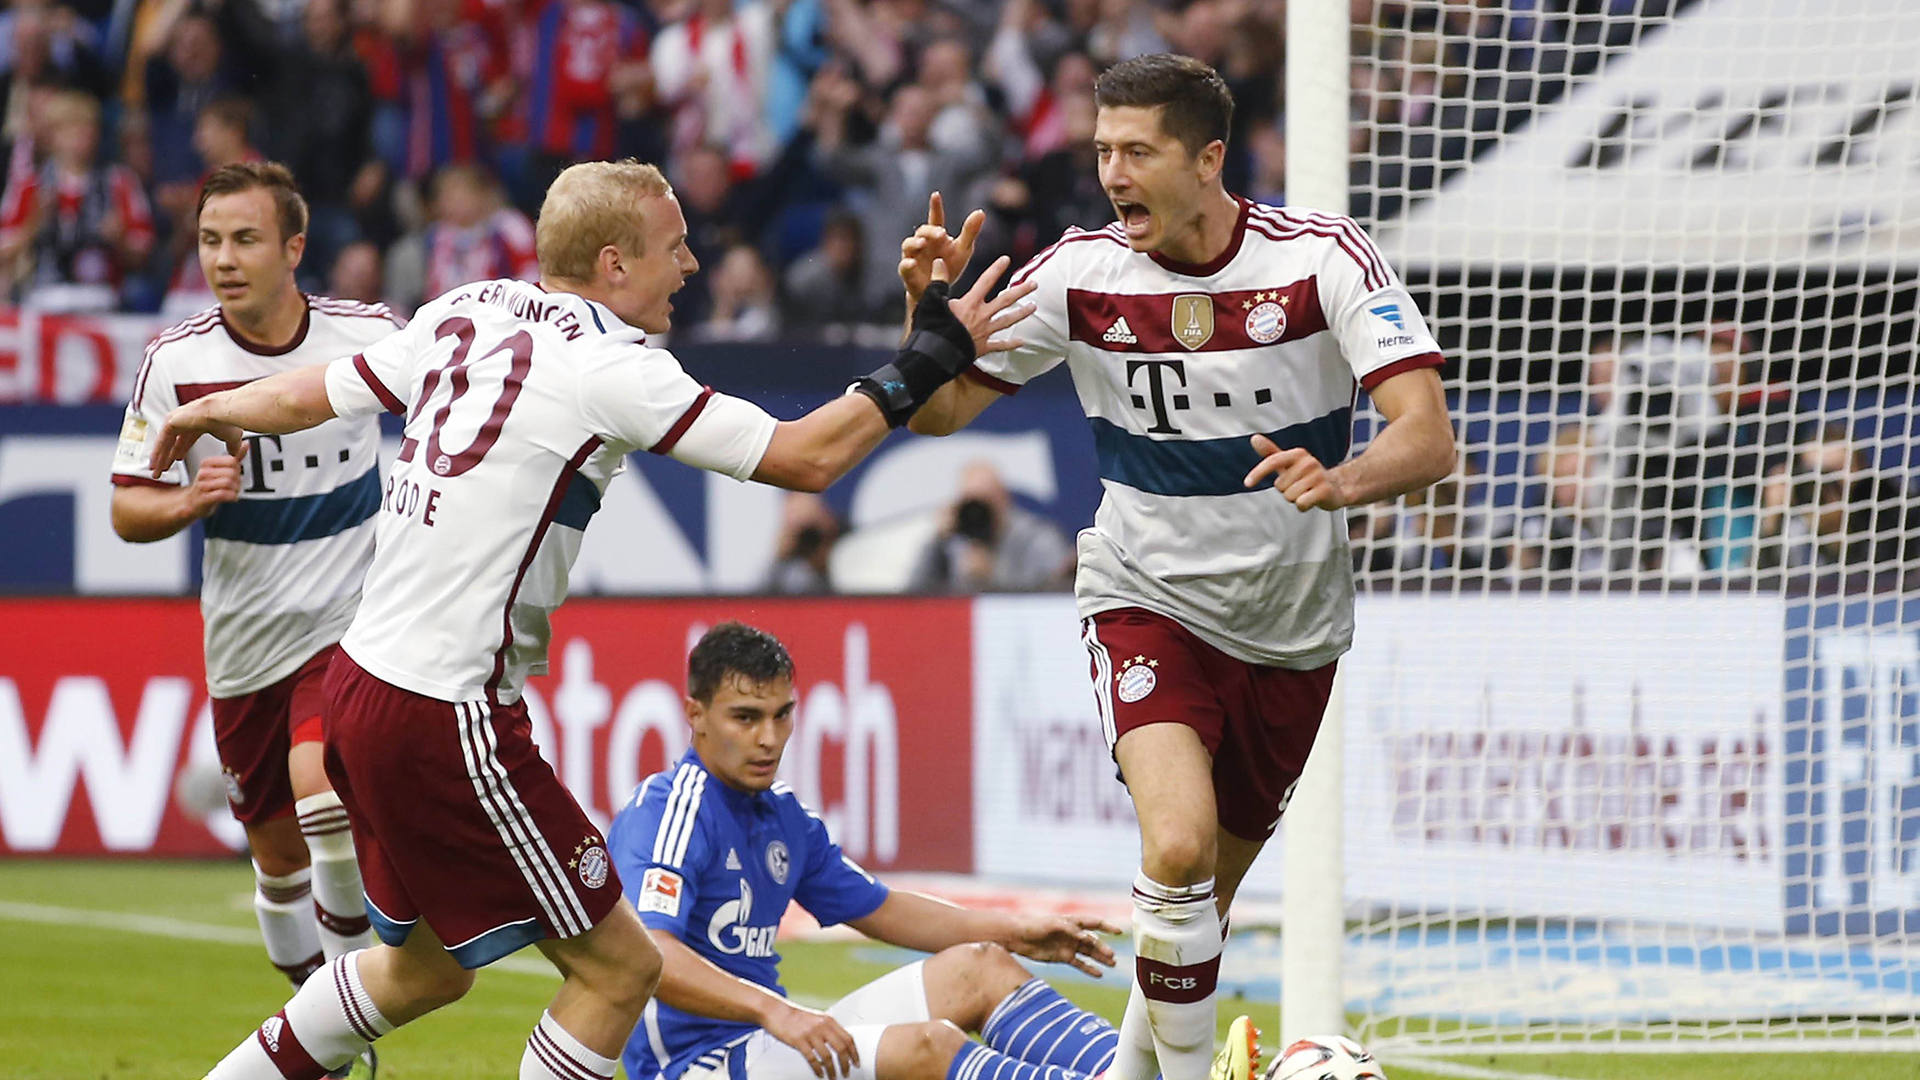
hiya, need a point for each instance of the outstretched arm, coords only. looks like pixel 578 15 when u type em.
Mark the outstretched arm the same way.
pixel 809 453
pixel 290 401
pixel 1414 450
pixel 917 921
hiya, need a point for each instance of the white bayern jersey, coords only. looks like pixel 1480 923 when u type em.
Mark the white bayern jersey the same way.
pixel 282 568
pixel 1177 366
pixel 520 404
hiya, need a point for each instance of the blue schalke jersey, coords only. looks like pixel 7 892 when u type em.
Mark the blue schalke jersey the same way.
pixel 717 867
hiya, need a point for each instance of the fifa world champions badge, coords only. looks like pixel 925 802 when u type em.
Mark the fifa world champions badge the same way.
pixel 1137 679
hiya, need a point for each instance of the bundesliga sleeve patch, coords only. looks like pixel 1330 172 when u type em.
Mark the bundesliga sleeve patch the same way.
pixel 133 441
pixel 660 892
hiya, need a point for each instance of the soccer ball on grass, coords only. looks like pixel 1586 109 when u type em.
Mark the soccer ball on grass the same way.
pixel 1325 1057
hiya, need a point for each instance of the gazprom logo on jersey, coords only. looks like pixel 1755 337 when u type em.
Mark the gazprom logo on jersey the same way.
pixel 729 932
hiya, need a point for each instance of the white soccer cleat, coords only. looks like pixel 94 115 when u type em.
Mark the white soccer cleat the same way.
pixel 1325 1057
pixel 1239 1056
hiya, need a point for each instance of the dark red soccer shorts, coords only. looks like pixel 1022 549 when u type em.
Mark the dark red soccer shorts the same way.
pixel 1258 722
pixel 458 821
pixel 254 732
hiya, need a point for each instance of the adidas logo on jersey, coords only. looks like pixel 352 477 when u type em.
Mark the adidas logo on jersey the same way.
pixel 1120 333
pixel 733 860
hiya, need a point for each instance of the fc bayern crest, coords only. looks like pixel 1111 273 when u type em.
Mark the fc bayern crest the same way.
pixel 1266 323
pixel 590 862
pixel 778 861
pixel 232 779
pixel 1137 679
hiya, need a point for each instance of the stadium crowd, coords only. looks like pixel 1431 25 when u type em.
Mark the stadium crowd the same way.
pixel 801 135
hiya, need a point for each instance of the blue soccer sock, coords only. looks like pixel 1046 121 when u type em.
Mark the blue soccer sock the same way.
pixel 977 1062
pixel 1037 1025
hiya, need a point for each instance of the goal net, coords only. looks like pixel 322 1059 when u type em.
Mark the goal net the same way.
pixel 1632 724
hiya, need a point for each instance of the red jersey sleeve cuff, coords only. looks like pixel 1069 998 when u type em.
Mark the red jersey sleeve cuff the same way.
pixel 131 480
pixel 680 426
pixel 1400 367
pixel 988 381
pixel 387 399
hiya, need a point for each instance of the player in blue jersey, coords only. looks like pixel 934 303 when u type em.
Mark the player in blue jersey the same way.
pixel 713 849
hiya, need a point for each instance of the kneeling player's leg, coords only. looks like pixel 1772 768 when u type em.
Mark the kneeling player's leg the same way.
pixel 610 972
pixel 937 1050
pixel 982 988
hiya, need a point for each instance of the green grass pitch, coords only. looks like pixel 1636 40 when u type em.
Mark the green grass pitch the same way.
pixel 149 970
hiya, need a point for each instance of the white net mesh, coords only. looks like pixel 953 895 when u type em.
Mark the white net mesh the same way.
pixel 1633 749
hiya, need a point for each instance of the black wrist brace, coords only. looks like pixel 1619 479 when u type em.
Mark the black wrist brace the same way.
pixel 938 349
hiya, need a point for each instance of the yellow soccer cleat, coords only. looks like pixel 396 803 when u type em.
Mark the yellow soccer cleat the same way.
pixel 1239 1056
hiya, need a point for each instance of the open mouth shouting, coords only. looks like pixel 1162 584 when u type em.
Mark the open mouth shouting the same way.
pixel 1135 217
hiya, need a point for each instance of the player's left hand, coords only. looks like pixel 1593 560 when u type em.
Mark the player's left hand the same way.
pixel 1066 939
pixel 1298 475
pixel 183 428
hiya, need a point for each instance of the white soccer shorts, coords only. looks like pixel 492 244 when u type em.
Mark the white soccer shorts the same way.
pixel 898 997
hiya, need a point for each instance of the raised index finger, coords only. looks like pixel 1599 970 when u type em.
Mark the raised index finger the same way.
pixel 936 210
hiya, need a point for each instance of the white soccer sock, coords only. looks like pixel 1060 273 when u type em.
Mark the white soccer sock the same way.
pixel 1176 945
pixel 552 1054
pixel 327 1024
pixel 1135 1058
pixel 339 904
pixel 284 907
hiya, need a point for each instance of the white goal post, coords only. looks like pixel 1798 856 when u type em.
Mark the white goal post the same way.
pixel 1627 754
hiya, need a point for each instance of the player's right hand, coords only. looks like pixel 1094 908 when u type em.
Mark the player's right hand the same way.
pixel 984 318
pixel 217 482
pixel 827 1046
pixel 931 242
pixel 183 428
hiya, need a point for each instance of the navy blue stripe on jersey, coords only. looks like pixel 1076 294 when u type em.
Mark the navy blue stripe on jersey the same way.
pixel 303 517
pixel 1208 466
pixel 577 506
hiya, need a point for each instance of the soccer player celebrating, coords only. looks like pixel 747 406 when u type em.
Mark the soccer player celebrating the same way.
pixel 521 401
pixel 1214 345
pixel 289 536
pixel 714 848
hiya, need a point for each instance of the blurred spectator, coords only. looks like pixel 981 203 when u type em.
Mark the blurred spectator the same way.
pixel 743 307
pixel 808 529
pixel 1568 534
pixel 892 175
pixel 1121 30
pixel 710 70
pixel 42 48
pixel 180 84
pixel 474 236
pixel 457 78
pixel 800 30
pixel 718 216
pixel 987 542
pixel 320 119
pixel 588 62
pixel 357 274
pixel 962 124
pixel 1026 42
pixel 1267 146
pixel 1829 508
pixel 826 286
pixel 1031 208
pixel 71 228
pixel 1447 527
